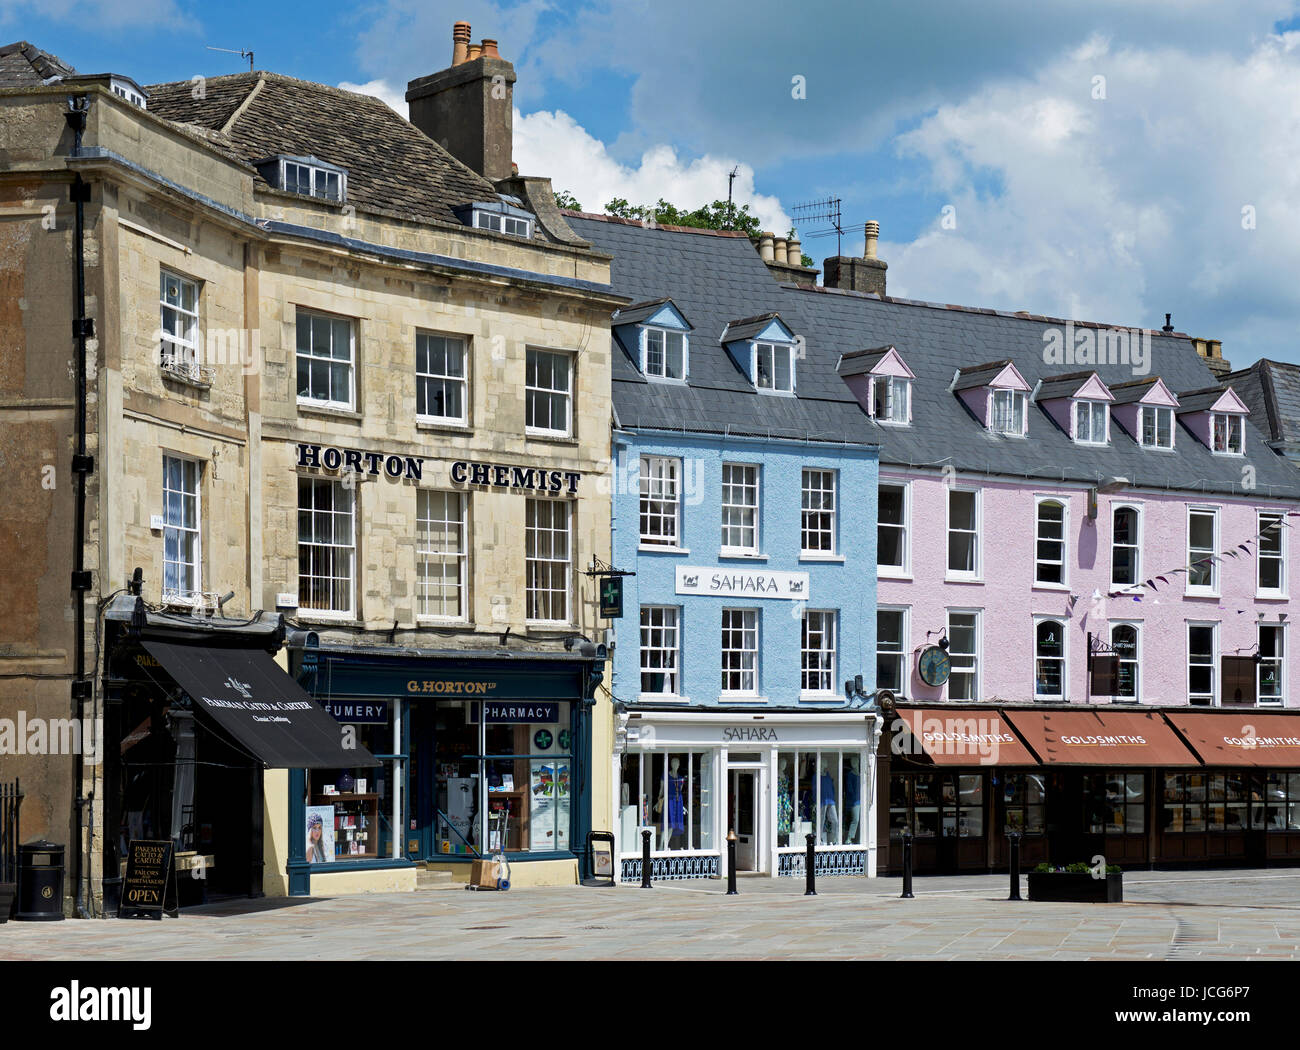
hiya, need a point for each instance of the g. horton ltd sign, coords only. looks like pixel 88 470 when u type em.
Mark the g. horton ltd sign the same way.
pixel 373 463
pixel 500 476
pixel 724 583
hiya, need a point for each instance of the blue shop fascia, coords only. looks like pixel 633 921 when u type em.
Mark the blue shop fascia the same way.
pixel 480 753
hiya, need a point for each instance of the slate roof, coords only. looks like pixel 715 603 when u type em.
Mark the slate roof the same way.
pixel 637 312
pixel 392 166
pixel 861 362
pixel 979 375
pixel 1136 389
pixel 1062 386
pixel 1271 390
pixel 1198 400
pixel 23 64
pixel 713 279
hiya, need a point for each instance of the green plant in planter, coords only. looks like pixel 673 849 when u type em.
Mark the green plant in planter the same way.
pixel 1077 868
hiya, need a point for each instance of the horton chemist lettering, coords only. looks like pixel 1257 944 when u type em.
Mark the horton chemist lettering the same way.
pixel 503 477
pixel 330 458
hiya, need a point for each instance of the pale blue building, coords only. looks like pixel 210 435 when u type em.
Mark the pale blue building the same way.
pixel 745 504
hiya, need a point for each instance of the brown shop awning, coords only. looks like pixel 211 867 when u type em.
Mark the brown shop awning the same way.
pixel 1241 738
pixel 1101 738
pixel 964 737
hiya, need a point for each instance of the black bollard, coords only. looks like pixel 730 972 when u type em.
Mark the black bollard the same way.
pixel 645 860
pixel 1014 836
pixel 907 864
pixel 810 870
pixel 731 863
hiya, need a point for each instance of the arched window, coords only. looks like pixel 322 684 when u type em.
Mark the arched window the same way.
pixel 1049 558
pixel 1049 660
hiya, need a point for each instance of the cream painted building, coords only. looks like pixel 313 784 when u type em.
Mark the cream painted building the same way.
pixel 347 400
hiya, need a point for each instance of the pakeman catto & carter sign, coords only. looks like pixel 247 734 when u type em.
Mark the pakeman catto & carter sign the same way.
pixel 528 479
pixel 392 466
pixel 746 583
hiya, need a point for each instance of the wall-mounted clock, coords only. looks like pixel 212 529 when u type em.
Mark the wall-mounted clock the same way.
pixel 934 666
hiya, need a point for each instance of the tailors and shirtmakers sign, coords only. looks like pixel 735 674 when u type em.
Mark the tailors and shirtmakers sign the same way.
pixel 742 583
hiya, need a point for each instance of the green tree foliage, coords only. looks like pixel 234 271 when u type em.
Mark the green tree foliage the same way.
pixel 716 216
pixel 565 199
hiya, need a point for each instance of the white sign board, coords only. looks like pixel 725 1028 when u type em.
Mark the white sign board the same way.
pixel 742 583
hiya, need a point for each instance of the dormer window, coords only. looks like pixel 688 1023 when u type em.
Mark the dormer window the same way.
pixel 1157 428
pixel 499 223
pixel 1229 433
pixel 774 367
pixel 664 354
pixel 1090 422
pixel 124 87
pixel 307 176
pixel 1008 412
pixel 891 399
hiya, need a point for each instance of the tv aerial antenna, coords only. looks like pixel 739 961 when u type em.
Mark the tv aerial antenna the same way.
pixel 823 216
pixel 230 51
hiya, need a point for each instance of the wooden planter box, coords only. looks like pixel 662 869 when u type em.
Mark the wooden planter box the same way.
pixel 1071 886
pixel 8 891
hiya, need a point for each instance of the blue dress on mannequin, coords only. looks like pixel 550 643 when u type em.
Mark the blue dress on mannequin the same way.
pixel 676 807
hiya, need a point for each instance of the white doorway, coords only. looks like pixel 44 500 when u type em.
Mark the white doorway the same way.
pixel 745 810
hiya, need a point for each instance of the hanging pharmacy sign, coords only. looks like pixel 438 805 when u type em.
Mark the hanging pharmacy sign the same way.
pixel 742 583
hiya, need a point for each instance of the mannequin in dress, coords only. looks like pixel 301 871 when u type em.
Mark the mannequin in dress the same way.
pixel 674 815
pixel 853 798
pixel 784 803
pixel 830 817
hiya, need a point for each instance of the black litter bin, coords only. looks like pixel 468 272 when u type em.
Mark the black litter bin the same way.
pixel 40 882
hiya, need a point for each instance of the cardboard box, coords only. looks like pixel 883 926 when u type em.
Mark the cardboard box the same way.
pixel 484 874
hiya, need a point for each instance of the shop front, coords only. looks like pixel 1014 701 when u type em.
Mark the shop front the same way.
pixel 481 754
pixel 196 712
pixel 687 778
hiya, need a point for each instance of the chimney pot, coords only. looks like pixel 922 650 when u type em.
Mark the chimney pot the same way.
pixel 475 51
pixel 765 247
pixel 490 49
pixel 779 251
pixel 459 42
pixel 794 252
pixel 872 231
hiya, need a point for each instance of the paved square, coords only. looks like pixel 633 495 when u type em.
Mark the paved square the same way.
pixel 1184 915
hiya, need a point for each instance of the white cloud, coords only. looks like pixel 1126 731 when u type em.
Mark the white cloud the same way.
pixel 1119 208
pixel 395 98
pixel 556 146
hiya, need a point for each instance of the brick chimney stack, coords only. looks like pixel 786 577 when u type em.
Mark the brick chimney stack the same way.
pixel 858 275
pixel 468 107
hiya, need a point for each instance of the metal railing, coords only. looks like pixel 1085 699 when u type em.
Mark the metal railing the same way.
pixel 11 798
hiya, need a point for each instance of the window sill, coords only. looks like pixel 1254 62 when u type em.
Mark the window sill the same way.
pixel 739 555
pixel 547 628
pixel 655 548
pixel 833 558
pixel 1272 596
pixel 180 379
pixel 963 579
pixel 892 422
pixel 1201 594
pixel 550 437
pixel 893 574
pixel 325 616
pixel 824 698
pixel 740 698
pixel 668 380
pixel 774 393
pixel 443 427
pixel 451 622
pixel 1058 587
pixel 317 408
pixel 662 698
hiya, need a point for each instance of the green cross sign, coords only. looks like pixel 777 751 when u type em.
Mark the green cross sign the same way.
pixel 611 597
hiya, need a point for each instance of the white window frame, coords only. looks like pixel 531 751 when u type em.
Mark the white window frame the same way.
pixel 806 496
pixel 664 334
pixel 1064 504
pixel 660 482
pixel 758 348
pixel 1064 658
pixel 1142 429
pixel 749 628
pixel 1281 557
pixel 904 651
pixel 1281 633
pixel 1019 407
pixel 534 596
pixel 672 669
pixel 732 550
pixel 179 350
pixel 428 554
pixel 1091 408
pixel 1229 419
pixel 820 662
pixel 566 393
pixel 324 361
pixel 897 394
pixel 977 670
pixel 446 377
pixel 891 571
pixel 1213 664
pixel 1212 591
pixel 181 529
pixel 1136 698
pixel 499 222
pixel 1136 508
pixel 963 574
pixel 340 494
pixel 316 175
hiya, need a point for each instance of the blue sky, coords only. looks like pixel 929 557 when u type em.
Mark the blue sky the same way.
pixel 1109 160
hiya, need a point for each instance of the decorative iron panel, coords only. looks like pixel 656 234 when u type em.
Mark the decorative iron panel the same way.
pixel 665 869
pixel 825 862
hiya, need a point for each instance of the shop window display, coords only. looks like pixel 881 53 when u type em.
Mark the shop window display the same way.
pixel 1282 801
pixel 819 793
pixel 1115 802
pixel 502 785
pixel 1025 802
pixel 947 805
pixel 350 811
pixel 1222 801
pixel 672 797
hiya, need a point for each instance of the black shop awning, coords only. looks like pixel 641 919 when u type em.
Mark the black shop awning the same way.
pixel 246 693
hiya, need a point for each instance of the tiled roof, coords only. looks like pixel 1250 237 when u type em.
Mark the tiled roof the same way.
pixel 1271 390
pixel 1062 386
pixel 715 279
pixel 640 311
pixel 392 166
pixel 1199 400
pixel 748 327
pixel 23 64
pixel 979 375
pixel 1135 389
pixel 861 362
